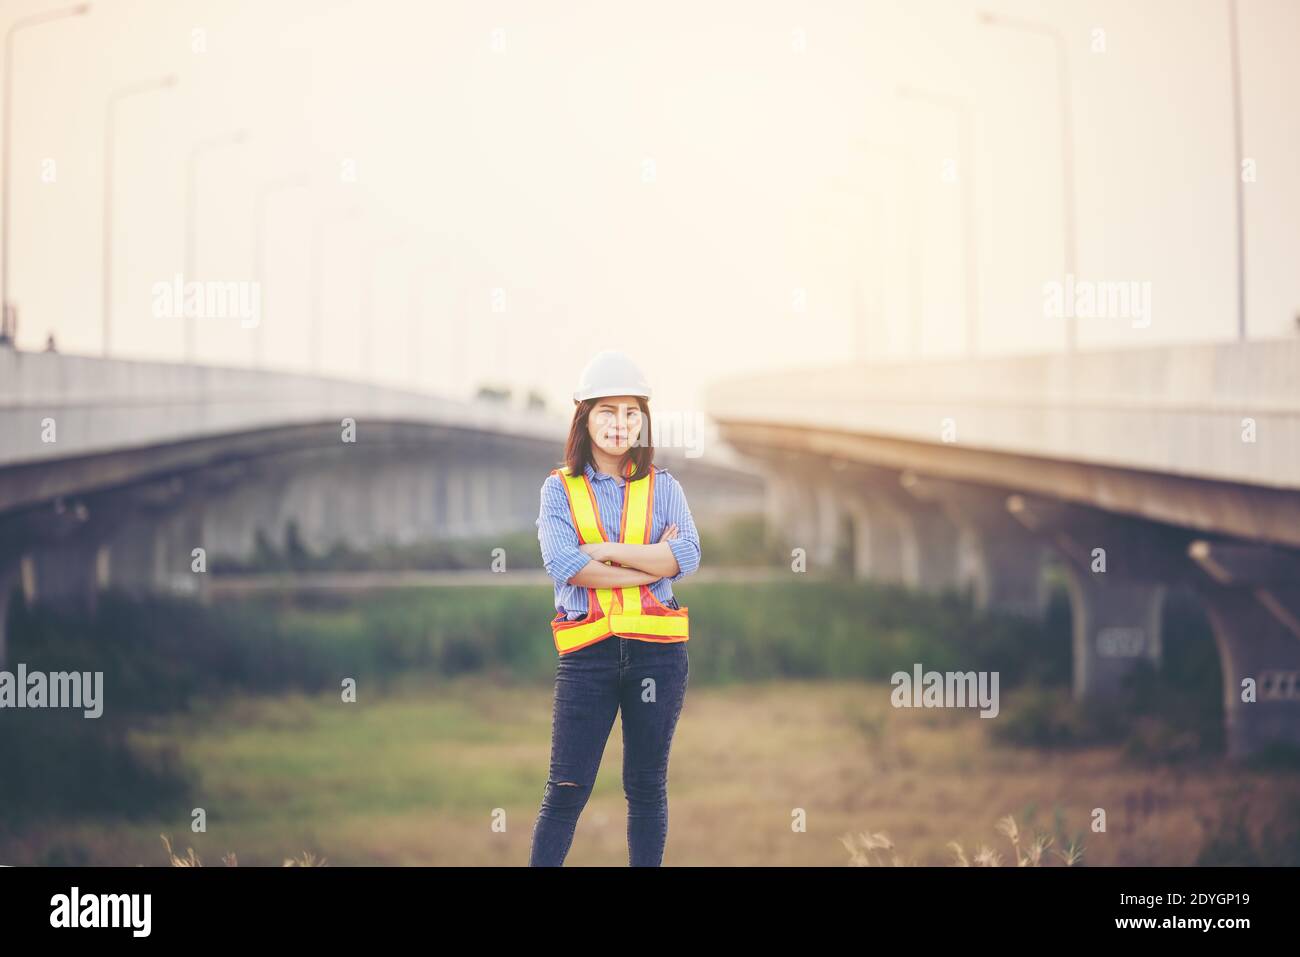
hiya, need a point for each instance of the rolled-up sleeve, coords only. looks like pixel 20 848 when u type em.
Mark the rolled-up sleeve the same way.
pixel 557 536
pixel 686 546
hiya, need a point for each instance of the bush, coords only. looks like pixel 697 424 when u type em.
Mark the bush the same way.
pixel 1229 841
pixel 58 762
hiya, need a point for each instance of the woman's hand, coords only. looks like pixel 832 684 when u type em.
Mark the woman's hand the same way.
pixel 600 551
pixel 596 550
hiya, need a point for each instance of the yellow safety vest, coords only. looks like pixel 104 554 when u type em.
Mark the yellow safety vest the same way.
pixel 631 612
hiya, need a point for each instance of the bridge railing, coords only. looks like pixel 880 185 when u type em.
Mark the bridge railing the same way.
pixel 1228 412
pixel 53 406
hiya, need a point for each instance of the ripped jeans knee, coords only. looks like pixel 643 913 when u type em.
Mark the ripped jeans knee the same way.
pixel 566 797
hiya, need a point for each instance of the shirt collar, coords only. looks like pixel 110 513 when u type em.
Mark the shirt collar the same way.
pixel 595 476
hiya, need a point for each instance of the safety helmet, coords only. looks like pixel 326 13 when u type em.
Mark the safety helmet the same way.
pixel 611 373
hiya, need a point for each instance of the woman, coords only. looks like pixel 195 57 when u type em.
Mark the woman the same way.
pixel 615 532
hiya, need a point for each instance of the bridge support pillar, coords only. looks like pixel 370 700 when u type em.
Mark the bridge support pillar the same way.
pixel 68 575
pixel 1252 598
pixel 234 520
pixel 1118 571
pixel 10 582
pixel 932 550
pixel 136 557
pixel 877 541
pixel 155 553
pixel 1255 647
pixel 148 538
pixel 827 515
pixel 481 516
pixel 999 561
pixel 1005 570
pixel 898 539
pixel 1116 629
pixel 175 539
pixel 789 510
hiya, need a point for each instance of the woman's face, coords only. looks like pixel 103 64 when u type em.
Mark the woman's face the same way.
pixel 615 423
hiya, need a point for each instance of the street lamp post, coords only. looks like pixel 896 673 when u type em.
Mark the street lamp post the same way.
pixel 6 319
pixel 907 160
pixel 267 190
pixel 1067 138
pixel 962 111
pixel 413 320
pixel 1241 198
pixel 367 298
pixel 417 309
pixel 862 338
pixel 314 280
pixel 147 86
pixel 191 217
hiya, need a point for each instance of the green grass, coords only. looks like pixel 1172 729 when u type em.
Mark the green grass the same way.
pixel 416 775
pixel 236 708
pixel 739 541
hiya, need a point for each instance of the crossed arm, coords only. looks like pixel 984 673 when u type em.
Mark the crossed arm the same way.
pixel 648 562
pixel 674 555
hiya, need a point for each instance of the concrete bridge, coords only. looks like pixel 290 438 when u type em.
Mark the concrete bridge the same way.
pixel 1138 471
pixel 113 473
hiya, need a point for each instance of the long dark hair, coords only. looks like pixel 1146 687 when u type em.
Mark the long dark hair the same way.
pixel 577 451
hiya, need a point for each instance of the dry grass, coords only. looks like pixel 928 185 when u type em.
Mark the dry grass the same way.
pixel 306 859
pixel 867 849
pixel 415 779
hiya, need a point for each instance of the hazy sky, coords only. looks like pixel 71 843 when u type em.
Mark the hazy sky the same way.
pixel 714 187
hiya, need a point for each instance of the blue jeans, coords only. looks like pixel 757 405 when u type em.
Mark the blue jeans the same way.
pixel 591 685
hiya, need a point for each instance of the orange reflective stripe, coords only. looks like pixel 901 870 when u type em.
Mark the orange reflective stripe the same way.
pixel 639 496
pixel 636 511
pixel 629 598
pixel 581 634
pixel 630 611
pixel 570 636
pixel 582 505
pixel 605 600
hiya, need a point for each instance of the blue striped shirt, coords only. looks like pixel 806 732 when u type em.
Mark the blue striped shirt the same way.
pixel 559 539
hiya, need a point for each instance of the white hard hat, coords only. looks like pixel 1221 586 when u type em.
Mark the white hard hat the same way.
pixel 611 373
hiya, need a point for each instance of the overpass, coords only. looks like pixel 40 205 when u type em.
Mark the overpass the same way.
pixel 1137 470
pixel 135 475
